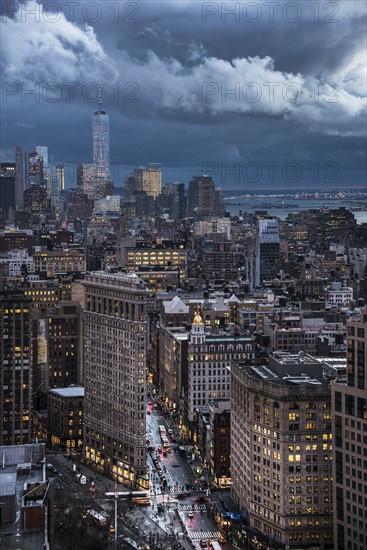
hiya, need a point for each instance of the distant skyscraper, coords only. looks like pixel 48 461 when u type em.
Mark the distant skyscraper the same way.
pixel 61 175
pixel 176 193
pixel 101 146
pixel 115 329
pixel 267 250
pixel 15 360
pixel 42 151
pixel 7 187
pixel 34 169
pixel 19 178
pixel 55 181
pixel 203 198
pixel 145 178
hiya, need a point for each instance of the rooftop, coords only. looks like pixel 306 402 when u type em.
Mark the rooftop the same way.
pixel 71 391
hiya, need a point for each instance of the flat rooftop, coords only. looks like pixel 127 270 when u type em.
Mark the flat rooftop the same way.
pixel 71 391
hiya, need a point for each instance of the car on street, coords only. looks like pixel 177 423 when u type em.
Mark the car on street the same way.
pixel 160 450
pixel 190 514
pixel 203 543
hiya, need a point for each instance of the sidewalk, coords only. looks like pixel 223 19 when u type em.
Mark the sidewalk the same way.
pixel 165 526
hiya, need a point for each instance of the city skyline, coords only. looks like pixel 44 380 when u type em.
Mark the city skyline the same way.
pixel 196 88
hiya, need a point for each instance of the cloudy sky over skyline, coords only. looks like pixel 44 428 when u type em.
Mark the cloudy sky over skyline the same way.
pixel 258 94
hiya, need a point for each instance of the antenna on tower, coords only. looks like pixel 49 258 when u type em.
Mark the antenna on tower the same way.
pixel 100 96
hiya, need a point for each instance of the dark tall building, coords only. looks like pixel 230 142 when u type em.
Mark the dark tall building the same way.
pixel 57 346
pixel 19 178
pixel 203 198
pixel 34 169
pixel 267 250
pixel 349 402
pixel 15 361
pixel 175 193
pixel 7 186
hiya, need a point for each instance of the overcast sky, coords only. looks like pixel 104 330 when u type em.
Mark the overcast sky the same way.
pixel 258 94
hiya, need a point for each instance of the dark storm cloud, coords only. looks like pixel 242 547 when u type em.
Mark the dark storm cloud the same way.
pixel 166 68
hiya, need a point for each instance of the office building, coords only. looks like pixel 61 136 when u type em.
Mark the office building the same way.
pixel 12 239
pixel 42 152
pixel 162 254
pixel 86 180
pixel 281 450
pixel 16 263
pixel 101 148
pixel 115 331
pixel 36 201
pixel 267 250
pixel 175 200
pixel 34 169
pixel 57 346
pixel 65 411
pixel 349 401
pixel 19 177
pixel 146 179
pixel 209 355
pixel 203 198
pixel 7 187
pixel 15 360
pixel 52 262
pixel 55 182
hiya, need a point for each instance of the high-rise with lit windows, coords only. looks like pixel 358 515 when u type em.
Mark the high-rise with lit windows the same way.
pixel 15 365
pixel 115 334
pixel 101 148
pixel 281 450
pixel 350 442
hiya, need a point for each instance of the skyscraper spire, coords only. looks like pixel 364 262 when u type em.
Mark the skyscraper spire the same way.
pixel 100 95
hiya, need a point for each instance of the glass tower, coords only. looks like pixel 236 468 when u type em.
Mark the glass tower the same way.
pixel 101 145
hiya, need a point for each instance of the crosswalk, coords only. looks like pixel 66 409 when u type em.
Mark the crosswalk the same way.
pixel 190 507
pixel 198 535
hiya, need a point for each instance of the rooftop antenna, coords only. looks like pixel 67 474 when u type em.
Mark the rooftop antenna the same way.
pixel 100 96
